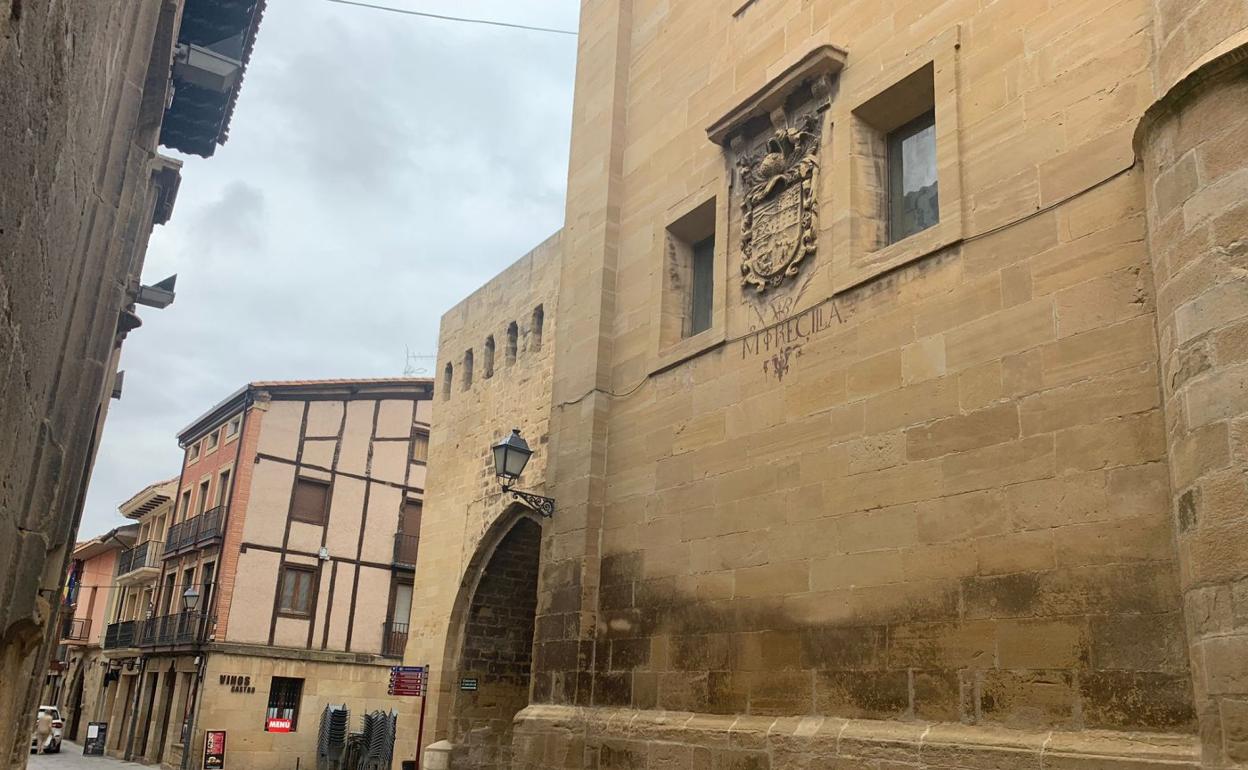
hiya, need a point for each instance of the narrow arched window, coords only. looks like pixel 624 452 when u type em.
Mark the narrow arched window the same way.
pixel 513 335
pixel 448 377
pixel 539 317
pixel 487 370
pixel 467 368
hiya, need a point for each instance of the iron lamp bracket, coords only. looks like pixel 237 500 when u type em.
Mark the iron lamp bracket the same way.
pixel 542 505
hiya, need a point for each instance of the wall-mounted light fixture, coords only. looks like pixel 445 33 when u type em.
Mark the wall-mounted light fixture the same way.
pixel 510 456
pixel 159 295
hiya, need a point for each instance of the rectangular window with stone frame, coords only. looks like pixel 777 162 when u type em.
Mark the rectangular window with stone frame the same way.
pixel 901 171
pixel 896 141
pixel 688 302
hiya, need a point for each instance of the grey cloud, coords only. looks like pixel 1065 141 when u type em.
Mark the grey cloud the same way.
pixel 379 169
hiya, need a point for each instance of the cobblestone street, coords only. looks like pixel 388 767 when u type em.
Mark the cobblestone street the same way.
pixel 71 758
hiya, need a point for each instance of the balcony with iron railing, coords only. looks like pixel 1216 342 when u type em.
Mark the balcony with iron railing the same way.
pixel 198 532
pixel 143 560
pixel 393 639
pixel 405 550
pixel 120 636
pixel 75 630
pixel 180 629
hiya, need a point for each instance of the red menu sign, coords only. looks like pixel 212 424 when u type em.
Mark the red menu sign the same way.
pixel 214 750
pixel 275 725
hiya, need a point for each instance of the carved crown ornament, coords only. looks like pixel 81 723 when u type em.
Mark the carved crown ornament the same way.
pixel 779 176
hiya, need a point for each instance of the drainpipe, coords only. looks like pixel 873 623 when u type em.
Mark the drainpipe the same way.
pixel 202 660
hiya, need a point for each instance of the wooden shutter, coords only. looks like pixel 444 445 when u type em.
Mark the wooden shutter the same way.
pixel 311 501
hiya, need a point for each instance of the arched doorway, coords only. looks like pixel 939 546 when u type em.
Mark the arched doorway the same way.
pixel 496 653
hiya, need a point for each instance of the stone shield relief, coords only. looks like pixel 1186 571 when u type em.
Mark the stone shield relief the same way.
pixel 779 205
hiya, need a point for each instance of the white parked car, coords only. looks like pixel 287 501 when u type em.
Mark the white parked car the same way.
pixel 53 744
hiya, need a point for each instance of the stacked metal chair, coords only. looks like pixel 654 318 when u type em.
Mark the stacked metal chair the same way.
pixel 331 740
pixel 379 730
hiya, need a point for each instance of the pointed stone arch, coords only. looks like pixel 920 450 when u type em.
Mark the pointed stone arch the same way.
pixel 491 641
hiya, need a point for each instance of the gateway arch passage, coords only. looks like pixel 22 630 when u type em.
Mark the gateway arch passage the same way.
pixel 496 657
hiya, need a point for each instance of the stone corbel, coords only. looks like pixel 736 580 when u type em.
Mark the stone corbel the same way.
pixel 167 178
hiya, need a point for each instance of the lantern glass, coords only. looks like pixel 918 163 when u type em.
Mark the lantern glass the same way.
pixel 510 456
pixel 190 599
pixel 500 459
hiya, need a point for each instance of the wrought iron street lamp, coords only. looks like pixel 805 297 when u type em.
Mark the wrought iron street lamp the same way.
pixel 510 456
pixel 190 599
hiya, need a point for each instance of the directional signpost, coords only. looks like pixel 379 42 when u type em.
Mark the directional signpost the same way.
pixel 408 680
pixel 412 680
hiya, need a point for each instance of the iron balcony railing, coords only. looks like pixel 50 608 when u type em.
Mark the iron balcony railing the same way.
pixel 146 554
pixel 405 549
pixel 120 635
pixel 182 628
pixel 393 639
pixel 197 532
pixel 75 629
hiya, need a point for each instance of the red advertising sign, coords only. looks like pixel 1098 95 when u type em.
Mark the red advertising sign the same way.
pixel 275 725
pixel 214 750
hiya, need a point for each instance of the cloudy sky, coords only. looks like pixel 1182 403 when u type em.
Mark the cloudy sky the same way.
pixel 379 168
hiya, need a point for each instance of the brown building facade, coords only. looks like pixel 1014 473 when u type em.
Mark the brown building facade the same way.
pixel 133 600
pixel 283 578
pixel 895 399
pixel 76 676
pixel 90 91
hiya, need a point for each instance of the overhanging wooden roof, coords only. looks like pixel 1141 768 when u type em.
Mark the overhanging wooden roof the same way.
pixel 198 119
pixel 149 499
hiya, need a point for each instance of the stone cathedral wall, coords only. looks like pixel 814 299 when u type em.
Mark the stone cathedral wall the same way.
pixel 966 499
pixel 910 506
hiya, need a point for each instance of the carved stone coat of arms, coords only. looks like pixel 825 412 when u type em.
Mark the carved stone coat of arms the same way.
pixel 779 206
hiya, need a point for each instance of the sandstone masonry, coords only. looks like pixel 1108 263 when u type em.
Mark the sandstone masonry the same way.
pixel 88 95
pixel 972 497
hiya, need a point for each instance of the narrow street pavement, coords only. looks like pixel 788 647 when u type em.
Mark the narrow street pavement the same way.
pixel 71 758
